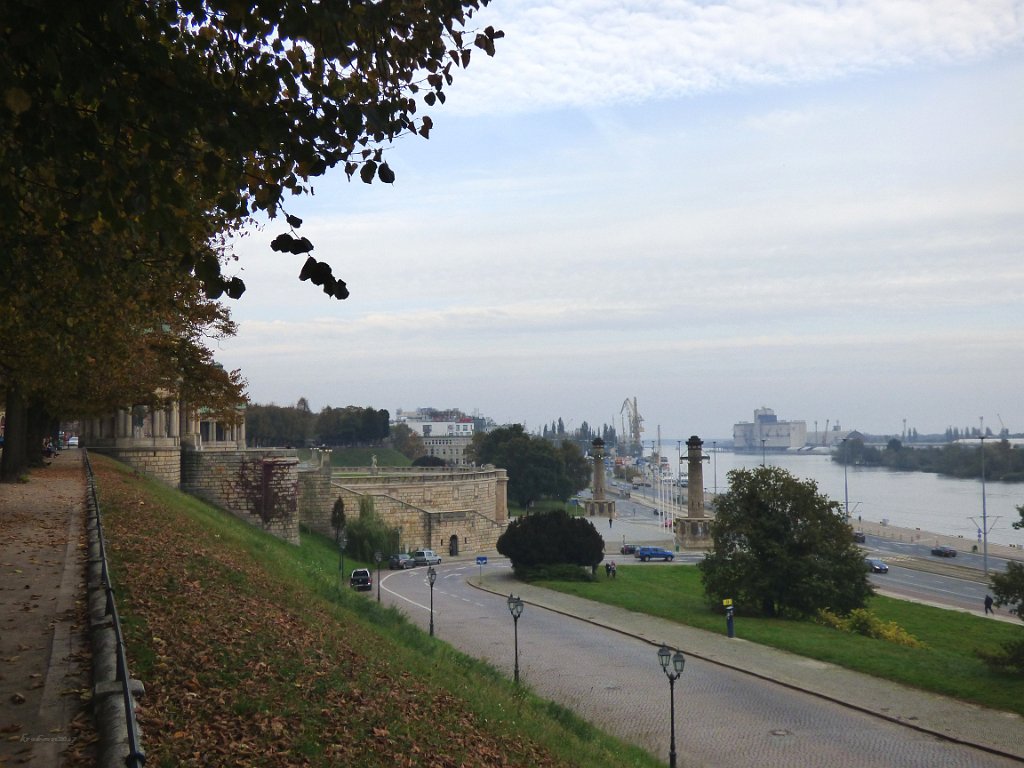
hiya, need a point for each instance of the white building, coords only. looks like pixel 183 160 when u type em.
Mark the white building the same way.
pixel 446 440
pixel 767 433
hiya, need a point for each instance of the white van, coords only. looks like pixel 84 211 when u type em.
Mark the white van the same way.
pixel 424 557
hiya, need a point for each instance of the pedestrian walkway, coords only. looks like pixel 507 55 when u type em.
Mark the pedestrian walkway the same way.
pixel 44 668
pixel 994 731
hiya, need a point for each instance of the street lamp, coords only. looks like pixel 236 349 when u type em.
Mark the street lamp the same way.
pixel 762 451
pixel 342 542
pixel 678 662
pixel 846 487
pixel 515 607
pixel 984 517
pixel 377 557
pixel 431 577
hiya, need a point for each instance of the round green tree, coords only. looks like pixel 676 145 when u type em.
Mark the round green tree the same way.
pixel 781 548
pixel 551 538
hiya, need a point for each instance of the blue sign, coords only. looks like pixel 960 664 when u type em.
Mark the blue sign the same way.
pixel 481 559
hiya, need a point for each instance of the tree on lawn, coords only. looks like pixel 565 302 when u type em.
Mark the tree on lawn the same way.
pixel 781 548
pixel 551 538
pixel 1008 588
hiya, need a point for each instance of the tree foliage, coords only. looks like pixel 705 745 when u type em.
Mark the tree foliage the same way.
pixel 1003 461
pixel 137 138
pixel 551 538
pixel 369 533
pixel 1008 588
pixel 781 548
pixel 352 425
pixel 536 468
pixel 407 442
pixel 121 116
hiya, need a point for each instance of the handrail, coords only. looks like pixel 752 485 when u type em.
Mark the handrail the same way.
pixel 136 758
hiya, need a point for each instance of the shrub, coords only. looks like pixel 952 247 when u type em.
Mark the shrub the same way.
pixel 1009 659
pixel 552 537
pixel 861 621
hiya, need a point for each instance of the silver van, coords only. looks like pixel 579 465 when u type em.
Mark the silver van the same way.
pixel 424 557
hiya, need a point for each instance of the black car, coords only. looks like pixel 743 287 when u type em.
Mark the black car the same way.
pixel 858 536
pixel 400 561
pixel 627 549
pixel 944 552
pixel 875 565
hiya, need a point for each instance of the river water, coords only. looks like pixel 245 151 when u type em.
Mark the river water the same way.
pixel 906 499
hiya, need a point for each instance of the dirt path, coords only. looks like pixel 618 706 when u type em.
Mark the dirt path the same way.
pixel 44 655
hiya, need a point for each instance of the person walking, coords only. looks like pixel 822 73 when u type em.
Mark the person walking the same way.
pixel 988 604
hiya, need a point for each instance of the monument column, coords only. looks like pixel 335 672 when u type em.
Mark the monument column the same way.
pixel 598 504
pixel 597 449
pixel 695 486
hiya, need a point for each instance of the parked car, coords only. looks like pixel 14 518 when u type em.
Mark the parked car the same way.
pixel 400 561
pixel 875 565
pixel 425 557
pixel 361 580
pixel 944 552
pixel 653 553
pixel 858 536
pixel 627 549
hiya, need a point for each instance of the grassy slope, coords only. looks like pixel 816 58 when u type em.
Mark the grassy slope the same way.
pixel 947 664
pixel 250 657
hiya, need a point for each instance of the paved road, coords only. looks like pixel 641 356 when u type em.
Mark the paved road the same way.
pixel 724 717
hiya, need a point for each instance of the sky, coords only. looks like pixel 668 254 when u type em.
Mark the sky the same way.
pixel 710 207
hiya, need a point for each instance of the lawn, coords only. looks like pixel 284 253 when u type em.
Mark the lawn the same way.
pixel 947 663
pixel 251 656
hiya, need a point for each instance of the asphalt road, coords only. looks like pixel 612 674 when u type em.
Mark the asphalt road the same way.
pixel 724 717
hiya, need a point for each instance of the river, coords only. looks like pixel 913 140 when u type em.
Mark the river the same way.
pixel 907 499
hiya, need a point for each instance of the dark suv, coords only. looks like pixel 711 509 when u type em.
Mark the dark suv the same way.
pixel 361 580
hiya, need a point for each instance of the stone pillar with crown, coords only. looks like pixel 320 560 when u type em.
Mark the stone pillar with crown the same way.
pixel 598 504
pixel 694 530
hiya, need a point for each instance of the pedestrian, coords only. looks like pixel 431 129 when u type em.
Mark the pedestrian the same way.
pixel 608 569
pixel 613 569
pixel 609 522
pixel 988 604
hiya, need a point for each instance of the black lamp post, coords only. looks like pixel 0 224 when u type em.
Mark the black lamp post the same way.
pixel 431 577
pixel 342 542
pixel 678 662
pixel 515 607
pixel 377 557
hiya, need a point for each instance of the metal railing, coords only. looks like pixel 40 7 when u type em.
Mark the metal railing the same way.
pixel 109 621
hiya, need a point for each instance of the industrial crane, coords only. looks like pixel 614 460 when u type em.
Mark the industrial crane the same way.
pixel 635 425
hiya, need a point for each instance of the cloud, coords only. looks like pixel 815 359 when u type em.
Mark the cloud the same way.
pixel 597 52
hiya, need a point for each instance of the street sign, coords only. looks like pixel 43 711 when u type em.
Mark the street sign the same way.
pixel 481 559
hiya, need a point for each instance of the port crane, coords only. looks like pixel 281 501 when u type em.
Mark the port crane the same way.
pixel 635 425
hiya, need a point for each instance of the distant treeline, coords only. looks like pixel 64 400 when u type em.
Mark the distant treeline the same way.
pixel 1002 461
pixel 584 435
pixel 297 426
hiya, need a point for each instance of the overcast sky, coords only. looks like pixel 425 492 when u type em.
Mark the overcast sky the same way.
pixel 709 206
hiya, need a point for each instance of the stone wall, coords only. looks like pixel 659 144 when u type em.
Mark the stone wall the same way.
pixel 160 463
pixel 258 486
pixel 460 510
